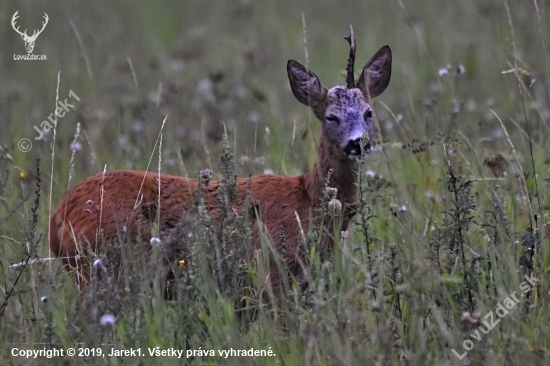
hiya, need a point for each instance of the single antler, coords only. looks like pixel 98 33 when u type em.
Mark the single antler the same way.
pixel 350 80
pixel 13 20
pixel 44 23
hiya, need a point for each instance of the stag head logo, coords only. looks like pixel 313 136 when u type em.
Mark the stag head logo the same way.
pixel 29 40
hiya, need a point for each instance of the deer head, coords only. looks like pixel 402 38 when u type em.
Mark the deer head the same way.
pixel 344 111
pixel 29 40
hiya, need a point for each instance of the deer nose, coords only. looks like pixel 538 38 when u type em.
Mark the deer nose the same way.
pixel 354 147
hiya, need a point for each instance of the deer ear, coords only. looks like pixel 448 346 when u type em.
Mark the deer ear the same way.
pixel 376 75
pixel 304 84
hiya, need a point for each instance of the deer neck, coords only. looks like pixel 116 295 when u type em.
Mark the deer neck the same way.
pixel 343 178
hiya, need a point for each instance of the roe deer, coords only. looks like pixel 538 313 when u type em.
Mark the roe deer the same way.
pixel 93 211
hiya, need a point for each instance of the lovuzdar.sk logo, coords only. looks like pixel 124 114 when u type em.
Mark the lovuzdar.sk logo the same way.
pixel 29 40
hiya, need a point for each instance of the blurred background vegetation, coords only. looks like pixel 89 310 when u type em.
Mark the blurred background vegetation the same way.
pixel 220 65
pixel 215 63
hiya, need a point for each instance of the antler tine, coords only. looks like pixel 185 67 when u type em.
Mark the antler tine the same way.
pixel 46 18
pixel 14 18
pixel 350 80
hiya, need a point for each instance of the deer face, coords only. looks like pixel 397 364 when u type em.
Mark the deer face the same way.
pixel 29 42
pixel 347 120
pixel 344 111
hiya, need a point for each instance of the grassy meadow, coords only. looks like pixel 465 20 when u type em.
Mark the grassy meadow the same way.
pixel 446 261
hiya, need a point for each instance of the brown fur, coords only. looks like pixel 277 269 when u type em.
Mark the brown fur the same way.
pixel 95 209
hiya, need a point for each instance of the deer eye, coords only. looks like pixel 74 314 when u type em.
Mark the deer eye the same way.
pixel 333 119
pixel 368 114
